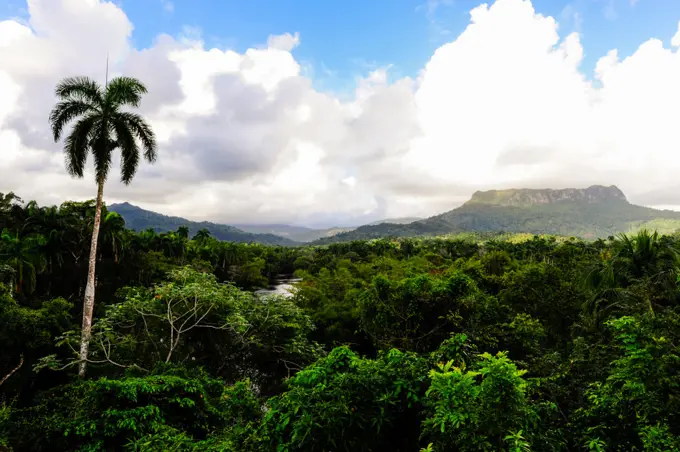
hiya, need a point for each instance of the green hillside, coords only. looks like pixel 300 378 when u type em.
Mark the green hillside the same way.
pixel 589 213
pixel 139 219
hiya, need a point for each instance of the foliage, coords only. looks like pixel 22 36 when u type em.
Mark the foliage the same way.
pixel 636 403
pixel 478 410
pixel 347 403
pixel 497 342
pixel 111 414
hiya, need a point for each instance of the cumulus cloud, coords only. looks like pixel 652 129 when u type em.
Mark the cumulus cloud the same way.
pixel 245 137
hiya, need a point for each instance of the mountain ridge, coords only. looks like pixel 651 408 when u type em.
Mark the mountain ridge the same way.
pixel 523 197
pixel 593 212
pixel 140 219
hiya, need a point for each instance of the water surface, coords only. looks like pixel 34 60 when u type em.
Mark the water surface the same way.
pixel 282 286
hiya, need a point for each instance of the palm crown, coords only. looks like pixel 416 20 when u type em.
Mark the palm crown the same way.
pixel 102 125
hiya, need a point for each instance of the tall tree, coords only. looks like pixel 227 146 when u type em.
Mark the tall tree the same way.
pixel 102 126
pixel 23 254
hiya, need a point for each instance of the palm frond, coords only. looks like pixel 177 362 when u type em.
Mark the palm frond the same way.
pixel 80 88
pixel 142 131
pixel 77 145
pixel 124 91
pixel 66 111
pixel 129 151
pixel 102 146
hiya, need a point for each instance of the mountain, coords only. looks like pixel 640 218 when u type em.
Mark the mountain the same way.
pixel 304 234
pixel 296 233
pixel 139 219
pixel 403 220
pixel 527 197
pixel 593 212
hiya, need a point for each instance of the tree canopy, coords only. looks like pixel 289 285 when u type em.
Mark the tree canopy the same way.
pixel 520 343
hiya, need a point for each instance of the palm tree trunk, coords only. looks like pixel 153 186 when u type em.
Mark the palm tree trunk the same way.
pixel 88 303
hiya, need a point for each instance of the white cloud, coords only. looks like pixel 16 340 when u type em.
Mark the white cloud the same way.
pixel 246 138
pixel 285 42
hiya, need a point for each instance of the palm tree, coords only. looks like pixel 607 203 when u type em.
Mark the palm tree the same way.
pixel 183 232
pixel 114 233
pixel 7 201
pixel 24 256
pixel 605 290
pixel 102 126
pixel 202 236
pixel 651 258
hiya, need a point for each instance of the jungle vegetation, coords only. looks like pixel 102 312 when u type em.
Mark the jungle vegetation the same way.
pixel 480 342
pixel 515 343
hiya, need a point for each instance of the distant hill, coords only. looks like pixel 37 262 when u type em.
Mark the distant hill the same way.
pixel 404 220
pixel 272 234
pixel 296 233
pixel 305 234
pixel 592 212
pixel 140 219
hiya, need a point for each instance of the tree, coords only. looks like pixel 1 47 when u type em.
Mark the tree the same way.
pixel 183 231
pixel 101 127
pixel 202 236
pixel 114 233
pixel 23 255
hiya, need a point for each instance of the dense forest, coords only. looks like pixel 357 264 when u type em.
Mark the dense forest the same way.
pixel 522 343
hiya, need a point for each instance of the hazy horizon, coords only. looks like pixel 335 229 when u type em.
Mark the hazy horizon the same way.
pixel 320 225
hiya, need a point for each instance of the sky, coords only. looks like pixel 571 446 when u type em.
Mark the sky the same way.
pixel 342 113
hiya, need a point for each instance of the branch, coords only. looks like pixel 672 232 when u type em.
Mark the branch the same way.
pixel 214 327
pixel 21 363
pixel 146 328
pixel 197 321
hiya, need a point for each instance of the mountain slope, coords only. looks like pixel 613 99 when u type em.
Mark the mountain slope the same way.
pixel 403 220
pixel 296 233
pixel 304 234
pixel 139 219
pixel 593 212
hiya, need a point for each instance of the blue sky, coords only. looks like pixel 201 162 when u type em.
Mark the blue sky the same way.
pixel 496 113
pixel 344 39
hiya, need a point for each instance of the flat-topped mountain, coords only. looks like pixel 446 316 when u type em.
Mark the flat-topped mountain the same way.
pixel 525 197
pixel 592 212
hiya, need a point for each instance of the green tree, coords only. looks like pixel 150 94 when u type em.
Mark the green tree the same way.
pixel 347 403
pixel 102 126
pixel 481 409
pixel 23 255
pixel 202 236
pixel 113 229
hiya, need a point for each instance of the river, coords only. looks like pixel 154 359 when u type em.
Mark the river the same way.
pixel 282 286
